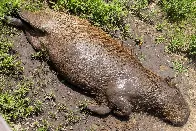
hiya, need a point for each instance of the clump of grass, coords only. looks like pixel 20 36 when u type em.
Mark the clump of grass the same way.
pixel 177 45
pixel 109 16
pixel 33 5
pixel 178 10
pixel 140 8
pixel 8 63
pixel 8 7
pixel 182 42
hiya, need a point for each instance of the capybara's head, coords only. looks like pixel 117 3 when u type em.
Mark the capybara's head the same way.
pixel 175 109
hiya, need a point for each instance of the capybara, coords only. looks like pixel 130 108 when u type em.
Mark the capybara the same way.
pixel 90 59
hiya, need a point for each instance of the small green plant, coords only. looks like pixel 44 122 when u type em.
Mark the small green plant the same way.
pixel 43 125
pixel 140 8
pixel 159 39
pixel 71 116
pixel 178 67
pixel 62 107
pixel 37 55
pixel 159 27
pixel 176 45
pixel 52 115
pixel 181 25
pixel 192 48
pixel 50 96
pixel 60 127
pixel 82 105
pixel 142 57
pixel 139 5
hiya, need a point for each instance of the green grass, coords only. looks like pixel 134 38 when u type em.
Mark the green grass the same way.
pixel 181 26
pixel 8 7
pixel 178 67
pixel 178 10
pixel 8 63
pixel 14 101
pixel 182 38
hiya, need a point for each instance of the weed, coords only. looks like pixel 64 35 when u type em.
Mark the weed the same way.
pixel 50 96
pixel 192 49
pixel 159 39
pixel 142 57
pixel 70 116
pixel 177 43
pixel 60 127
pixel 140 8
pixel 62 107
pixel 8 62
pixel 139 5
pixel 42 126
pixel 178 67
pixel 37 55
pixel 159 27
pixel 82 105
pixel 52 115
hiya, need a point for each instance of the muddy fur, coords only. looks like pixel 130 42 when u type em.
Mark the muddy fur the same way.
pixel 90 59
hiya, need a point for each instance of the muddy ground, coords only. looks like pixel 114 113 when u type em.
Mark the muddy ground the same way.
pixel 61 101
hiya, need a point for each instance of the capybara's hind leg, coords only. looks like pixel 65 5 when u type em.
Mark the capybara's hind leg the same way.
pixel 122 106
pixel 120 102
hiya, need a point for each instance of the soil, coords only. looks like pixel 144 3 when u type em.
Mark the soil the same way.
pixel 54 92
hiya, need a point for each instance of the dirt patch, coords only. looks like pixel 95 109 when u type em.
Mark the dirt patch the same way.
pixel 61 101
